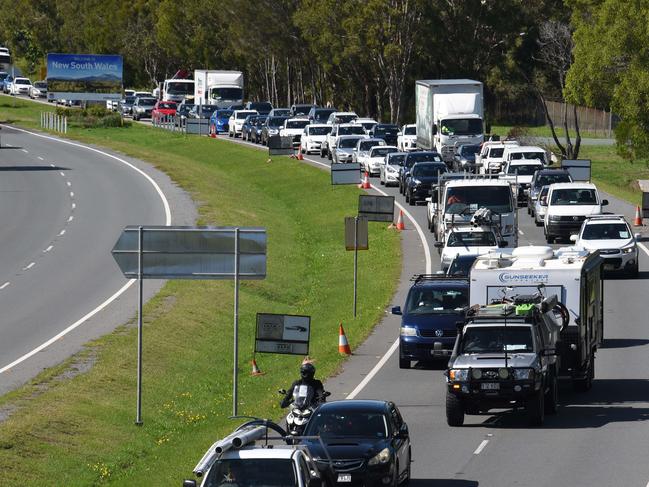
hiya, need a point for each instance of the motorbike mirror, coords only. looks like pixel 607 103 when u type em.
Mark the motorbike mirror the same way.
pixel 604 202
pixel 189 483
pixel 327 394
pixel 396 310
pixel 573 238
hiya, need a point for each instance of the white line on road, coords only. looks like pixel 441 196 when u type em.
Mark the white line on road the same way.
pixel 29 266
pixel 520 232
pixel 481 447
pixel 71 194
pixel 40 158
pixel 68 183
pixel 62 173
pixel 70 218
pixel 9 145
pixel 4 285
pixel 25 151
pixel 646 251
pixel 74 205
pixel 48 248
pixel 62 232
pixel 52 165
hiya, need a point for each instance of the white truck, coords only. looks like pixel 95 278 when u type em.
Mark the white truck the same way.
pixel 177 89
pixel 220 88
pixel 449 111
pixel 573 276
pixel 478 201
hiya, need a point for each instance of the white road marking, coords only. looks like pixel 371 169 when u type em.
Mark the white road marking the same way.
pixel 4 285
pixel 29 266
pixel 520 232
pixel 62 232
pixel 481 447
pixel 62 173
pixel 48 248
pixel 83 319
pixel 71 194
pixel 40 158
pixel 68 183
pixel 646 251
pixel 25 151
pixel 9 145
pixel 74 205
pixel 70 218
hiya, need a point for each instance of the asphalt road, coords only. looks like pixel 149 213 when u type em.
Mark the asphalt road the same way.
pixel 598 438
pixel 62 208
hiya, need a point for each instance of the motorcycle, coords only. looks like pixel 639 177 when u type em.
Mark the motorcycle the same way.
pixel 303 405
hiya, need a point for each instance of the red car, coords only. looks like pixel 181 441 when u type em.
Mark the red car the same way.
pixel 163 109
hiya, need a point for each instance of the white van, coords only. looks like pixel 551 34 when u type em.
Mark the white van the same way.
pixel 490 159
pixel 568 205
pixel 525 152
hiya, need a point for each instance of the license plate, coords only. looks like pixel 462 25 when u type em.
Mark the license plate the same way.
pixel 490 386
pixel 344 477
pixel 609 267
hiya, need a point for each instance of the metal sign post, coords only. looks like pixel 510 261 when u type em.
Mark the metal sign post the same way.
pixel 191 253
pixel 356 238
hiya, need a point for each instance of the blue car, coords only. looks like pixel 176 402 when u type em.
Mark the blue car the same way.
pixel 219 121
pixel 434 305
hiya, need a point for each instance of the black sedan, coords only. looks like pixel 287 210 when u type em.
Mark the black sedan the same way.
pixel 367 441
pixel 410 160
pixel 423 176
pixel 385 131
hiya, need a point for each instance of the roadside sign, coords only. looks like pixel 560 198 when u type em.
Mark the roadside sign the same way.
pixel 361 238
pixel 280 146
pixel 181 252
pixel 376 208
pixel 285 334
pixel 579 169
pixel 345 174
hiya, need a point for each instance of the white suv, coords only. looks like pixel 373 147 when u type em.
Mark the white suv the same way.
pixel 611 235
pixel 407 137
pixel 20 86
pixel 236 121
pixel 313 136
pixel 294 127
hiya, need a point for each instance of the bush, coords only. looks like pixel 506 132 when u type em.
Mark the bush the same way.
pixel 93 116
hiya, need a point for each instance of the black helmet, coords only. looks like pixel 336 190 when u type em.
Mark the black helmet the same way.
pixel 307 371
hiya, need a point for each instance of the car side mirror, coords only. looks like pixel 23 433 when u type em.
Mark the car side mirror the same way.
pixel 189 483
pixel 502 244
pixel 403 432
pixel 604 202
pixel 544 201
pixel 396 310
pixel 438 245
pixel 399 134
pixel 435 129
pixel 573 238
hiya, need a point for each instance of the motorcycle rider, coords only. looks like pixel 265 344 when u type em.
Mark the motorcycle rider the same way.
pixel 307 374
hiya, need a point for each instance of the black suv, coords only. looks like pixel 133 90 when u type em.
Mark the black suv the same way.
pixel 320 115
pixel 385 131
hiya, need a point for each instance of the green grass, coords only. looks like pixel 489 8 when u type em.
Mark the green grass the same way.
pixel 544 131
pixel 80 431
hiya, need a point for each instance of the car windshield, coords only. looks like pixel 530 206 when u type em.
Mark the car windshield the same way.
pixel 275 121
pixel 496 152
pixel 167 105
pixel 468 126
pixel 23 82
pixel 319 130
pixel 252 472
pixel 461 266
pixel 548 179
pixel 176 88
pixel 281 112
pixel 301 109
pixel 243 115
pixel 129 100
pixel 469 150
pixel 425 300
pixel 468 199
pixel 261 120
pixel 573 197
pixel 368 144
pixel 428 170
pixel 348 143
pixel 396 159
pixel 523 169
pixel 322 115
pixel 606 231
pixel 368 125
pixel 497 339
pixel 385 129
pixel 348 423
pixel 149 102
pixel 346 118
pixel 224 113
pixel 296 124
pixel 528 155
pixel 261 105
pixel 410 131
pixel 471 239
pixel 219 94
pixel 382 151
pixel 416 157
pixel 351 130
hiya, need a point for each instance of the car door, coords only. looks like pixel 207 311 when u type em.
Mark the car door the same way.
pixel 400 438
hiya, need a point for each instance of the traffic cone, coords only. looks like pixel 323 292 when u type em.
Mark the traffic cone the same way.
pixel 255 369
pixel 300 157
pixel 365 184
pixel 400 226
pixel 638 218
pixel 343 344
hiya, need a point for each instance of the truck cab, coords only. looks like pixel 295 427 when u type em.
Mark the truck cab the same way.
pixel 433 306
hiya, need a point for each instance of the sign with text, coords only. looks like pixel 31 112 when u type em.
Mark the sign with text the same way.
pixel 345 173
pixel 95 77
pixel 286 334
pixel 376 208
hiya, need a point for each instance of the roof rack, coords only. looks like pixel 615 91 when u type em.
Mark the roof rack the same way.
pixel 417 278
pixel 606 216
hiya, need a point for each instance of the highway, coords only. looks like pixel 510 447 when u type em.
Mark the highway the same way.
pixel 62 208
pixel 598 438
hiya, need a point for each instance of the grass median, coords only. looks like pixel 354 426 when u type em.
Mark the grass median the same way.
pixel 79 431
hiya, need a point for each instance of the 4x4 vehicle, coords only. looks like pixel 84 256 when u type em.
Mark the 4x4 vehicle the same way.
pixel 362 151
pixel 235 122
pixel 385 131
pixel 569 204
pixel 330 142
pixel 142 107
pixel 407 137
pixel 544 177
pixel 375 158
pixel 261 107
pixel 336 118
pixel 301 110
pixel 505 357
pixel 468 240
pixel 490 159
pixel 294 127
pixel 313 137
pixel 320 115
pixel 611 235
pixel 519 173
pixel 434 305
pixel 464 158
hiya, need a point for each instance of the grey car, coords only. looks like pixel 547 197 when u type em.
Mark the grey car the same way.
pixel 344 149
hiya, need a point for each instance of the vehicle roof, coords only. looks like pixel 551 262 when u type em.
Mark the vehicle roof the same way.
pixel 365 119
pixel 348 124
pixel 470 228
pixel 443 281
pixel 246 111
pixel 596 219
pixel 282 452
pixel 344 113
pixel 374 139
pixel 298 119
pixel 351 136
pixel 576 184
pixel 476 182
pixel 524 148
pixel 555 170
pixel 532 259
pixel 318 125
pixel 355 405
pixel 527 162
pixel 382 147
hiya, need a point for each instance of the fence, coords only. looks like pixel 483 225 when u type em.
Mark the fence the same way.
pixel 54 122
pixel 168 122
pixel 590 119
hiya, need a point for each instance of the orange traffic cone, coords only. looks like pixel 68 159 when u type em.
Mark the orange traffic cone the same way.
pixel 365 184
pixel 638 218
pixel 300 157
pixel 343 344
pixel 400 226
pixel 255 369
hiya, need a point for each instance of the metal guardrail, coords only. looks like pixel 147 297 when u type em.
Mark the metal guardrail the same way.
pixel 54 122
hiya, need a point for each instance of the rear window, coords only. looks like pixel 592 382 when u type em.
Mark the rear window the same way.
pixel 348 143
pixel 296 124
pixel 351 130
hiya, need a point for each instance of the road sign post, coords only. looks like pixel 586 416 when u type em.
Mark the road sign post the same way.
pixel 159 252
pixel 356 238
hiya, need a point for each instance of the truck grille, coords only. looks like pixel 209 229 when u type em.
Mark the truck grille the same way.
pixel 431 334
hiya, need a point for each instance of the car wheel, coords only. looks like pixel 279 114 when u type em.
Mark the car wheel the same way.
pixel 552 396
pixel 329 155
pixel 532 212
pixel 535 409
pixel 406 477
pixel 635 271
pixel 404 363
pixel 549 239
pixel 585 384
pixel 454 410
pixel 411 201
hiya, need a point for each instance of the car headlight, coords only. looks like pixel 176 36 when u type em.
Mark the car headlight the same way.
pixel 407 331
pixel 272 132
pixel 381 458
pixel 509 229
pixel 524 374
pixel 628 250
pixel 458 374
pixel 503 373
pixel 476 374
pixel 555 218
pixel 416 182
pixel 391 169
